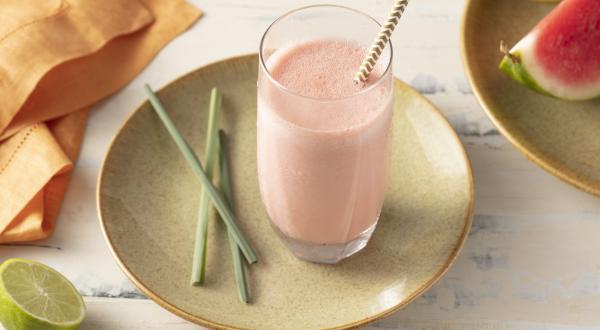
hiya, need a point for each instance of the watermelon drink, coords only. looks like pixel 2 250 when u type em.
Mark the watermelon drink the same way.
pixel 323 142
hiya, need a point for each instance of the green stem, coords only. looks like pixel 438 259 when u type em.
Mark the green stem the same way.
pixel 238 264
pixel 210 153
pixel 193 161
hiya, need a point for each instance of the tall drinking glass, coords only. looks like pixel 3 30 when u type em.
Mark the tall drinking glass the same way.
pixel 323 142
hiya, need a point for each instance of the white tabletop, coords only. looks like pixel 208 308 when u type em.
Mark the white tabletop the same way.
pixel 532 260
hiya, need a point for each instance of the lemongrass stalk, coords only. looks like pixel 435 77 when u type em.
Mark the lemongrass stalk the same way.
pixel 225 184
pixel 210 155
pixel 193 161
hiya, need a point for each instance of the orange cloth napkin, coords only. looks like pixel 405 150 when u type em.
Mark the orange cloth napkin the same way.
pixel 57 57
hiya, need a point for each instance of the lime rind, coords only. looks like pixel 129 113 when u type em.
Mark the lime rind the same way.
pixel 17 300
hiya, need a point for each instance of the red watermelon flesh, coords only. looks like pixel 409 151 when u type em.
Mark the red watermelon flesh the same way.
pixel 568 42
pixel 561 55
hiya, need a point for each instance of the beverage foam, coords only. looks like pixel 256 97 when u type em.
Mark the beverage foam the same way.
pixel 324 70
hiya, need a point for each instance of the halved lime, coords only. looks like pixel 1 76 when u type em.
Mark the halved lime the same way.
pixel 34 296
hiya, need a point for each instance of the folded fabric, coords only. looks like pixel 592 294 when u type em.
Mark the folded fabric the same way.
pixel 57 58
pixel 34 175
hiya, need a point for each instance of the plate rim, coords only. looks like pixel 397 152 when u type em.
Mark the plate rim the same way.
pixel 205 322
pixel 542 160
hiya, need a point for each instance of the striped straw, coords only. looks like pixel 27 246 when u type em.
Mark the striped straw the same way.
pixel 382 39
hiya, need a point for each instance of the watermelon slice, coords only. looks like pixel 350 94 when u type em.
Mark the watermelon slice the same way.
pixel 561 55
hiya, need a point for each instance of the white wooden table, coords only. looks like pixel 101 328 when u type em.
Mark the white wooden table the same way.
pixel 532 260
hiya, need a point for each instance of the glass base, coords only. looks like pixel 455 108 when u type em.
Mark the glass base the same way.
pixel 325 253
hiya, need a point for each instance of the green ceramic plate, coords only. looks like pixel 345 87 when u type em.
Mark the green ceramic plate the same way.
pixel 562 137
pixel 148 200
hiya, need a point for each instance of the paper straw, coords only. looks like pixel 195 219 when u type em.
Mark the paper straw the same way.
pixel 380 41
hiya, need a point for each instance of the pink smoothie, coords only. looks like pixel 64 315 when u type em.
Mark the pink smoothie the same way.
pixel 323 141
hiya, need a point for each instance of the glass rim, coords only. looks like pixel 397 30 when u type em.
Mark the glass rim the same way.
pixel 289 91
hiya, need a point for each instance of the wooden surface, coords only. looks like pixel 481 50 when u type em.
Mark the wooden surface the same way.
pixel 532 260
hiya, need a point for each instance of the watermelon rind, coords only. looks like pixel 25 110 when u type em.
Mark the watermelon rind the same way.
pixel 513 67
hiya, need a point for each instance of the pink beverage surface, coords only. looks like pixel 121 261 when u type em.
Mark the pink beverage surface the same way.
pixel 568 44
pixel 323 164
